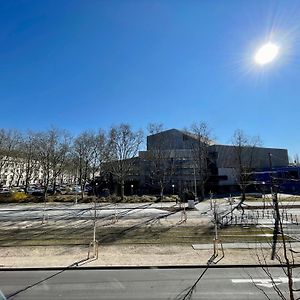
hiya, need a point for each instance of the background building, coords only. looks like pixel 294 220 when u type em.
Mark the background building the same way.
pixel 13 172
pixel 174 150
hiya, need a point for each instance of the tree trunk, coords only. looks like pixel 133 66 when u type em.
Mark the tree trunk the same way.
pixel 45 194
pixel 18 181
pixel 243 195
pixel 202 191
pixel 12 180
pixel 26 185
pixel 54 186
pixel 122 189
pixel 45 201
pixel 82 186
pixel 161 193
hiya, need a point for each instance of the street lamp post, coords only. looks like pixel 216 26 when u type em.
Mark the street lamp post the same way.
pixel 131 189
pixel 173 186
pixel 264 195
pixel 195 183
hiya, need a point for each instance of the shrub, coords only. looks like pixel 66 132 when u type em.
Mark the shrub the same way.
pixel 18 196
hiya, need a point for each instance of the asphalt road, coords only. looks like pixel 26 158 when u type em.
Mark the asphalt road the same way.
pixel 217 283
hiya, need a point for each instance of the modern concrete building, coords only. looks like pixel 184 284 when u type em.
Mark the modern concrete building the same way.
pixel 174 150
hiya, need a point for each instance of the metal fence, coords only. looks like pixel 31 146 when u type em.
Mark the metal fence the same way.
pixel 255 217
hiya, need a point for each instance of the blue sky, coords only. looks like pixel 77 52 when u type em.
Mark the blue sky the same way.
pixel 89 64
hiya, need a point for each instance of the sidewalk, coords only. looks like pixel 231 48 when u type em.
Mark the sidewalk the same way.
pixel 127 255
pixel 252 245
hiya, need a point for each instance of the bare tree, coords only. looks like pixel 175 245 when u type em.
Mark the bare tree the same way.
pixel 244 153
pixel 18 170
pixel 124 144
pixel 51 150
pixel 154 128
pixel 28 152
pixel 285 255
pixel 200 153
pixel 161 159
pixel 9 140
pixel 59 155
pixel 84 150
pixel 99 154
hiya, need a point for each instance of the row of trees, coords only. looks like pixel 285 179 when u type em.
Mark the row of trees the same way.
pixel 55 155
pixel 58 156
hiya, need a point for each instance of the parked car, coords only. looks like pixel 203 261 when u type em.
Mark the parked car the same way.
pixel 62 190
pixel 4 190
pixel 17 189
pixel 35 191
pixel 76 189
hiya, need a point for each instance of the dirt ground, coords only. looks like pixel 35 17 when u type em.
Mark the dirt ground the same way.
pixel 127 255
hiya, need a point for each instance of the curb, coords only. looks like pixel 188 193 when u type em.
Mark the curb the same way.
pixel 142 267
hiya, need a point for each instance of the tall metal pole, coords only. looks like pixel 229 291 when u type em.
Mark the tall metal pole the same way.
pixel 276 210
pixel 195 183
pixel 230 202
pixel 94 233
pixel 271 168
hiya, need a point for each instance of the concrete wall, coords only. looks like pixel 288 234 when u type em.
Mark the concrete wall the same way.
pixel 226 157
pixel 170 139
pixel 177 146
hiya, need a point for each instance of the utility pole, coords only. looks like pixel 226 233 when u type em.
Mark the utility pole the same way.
pixel 276 210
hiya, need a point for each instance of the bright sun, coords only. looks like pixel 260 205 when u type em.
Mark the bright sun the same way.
pixel 266 53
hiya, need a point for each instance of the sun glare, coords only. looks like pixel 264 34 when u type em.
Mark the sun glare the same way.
pixel 266 53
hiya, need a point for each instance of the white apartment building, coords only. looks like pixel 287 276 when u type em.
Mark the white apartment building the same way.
pixel 13 172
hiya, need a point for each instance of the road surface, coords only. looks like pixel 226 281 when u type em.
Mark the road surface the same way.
pixel 217 283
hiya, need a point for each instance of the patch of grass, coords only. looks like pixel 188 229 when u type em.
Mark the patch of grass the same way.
pixel 53 236
pixel 267 200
